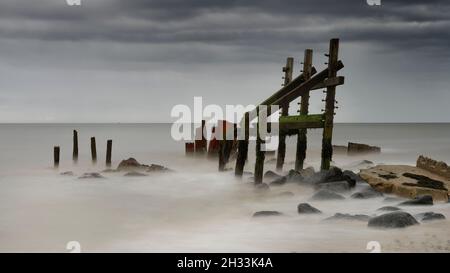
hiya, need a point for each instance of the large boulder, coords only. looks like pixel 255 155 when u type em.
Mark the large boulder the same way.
pixel 265 213
pixel 423 200
pixel 131 164
pixel 270 175
pixel 437 167
pixel 294 176
pixel 430 216
pixel 406 181
pixel 367 193
pixel 349 217
pixel 338 186
pixel 334 174
pixel 351 176
pixel 305 208
pixel 322 195
pixel 388 208
pixel 279 181
pixel 359 148
pixel 157 168
pixel 307 172
pixel 396 219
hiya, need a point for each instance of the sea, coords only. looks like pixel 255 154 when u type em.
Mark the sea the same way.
pixel 195 208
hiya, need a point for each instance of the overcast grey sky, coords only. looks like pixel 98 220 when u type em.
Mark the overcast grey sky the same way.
pixel 132 61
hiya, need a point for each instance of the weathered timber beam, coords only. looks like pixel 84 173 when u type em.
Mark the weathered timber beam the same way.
pixel 297 91
pixel 330 82
pixel 306 86
pixel 287 88
pixel 288 123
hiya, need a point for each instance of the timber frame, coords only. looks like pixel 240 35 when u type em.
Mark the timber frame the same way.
pixel 300 86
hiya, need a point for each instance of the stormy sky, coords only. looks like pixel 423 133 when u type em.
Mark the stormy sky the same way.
pixel 133 60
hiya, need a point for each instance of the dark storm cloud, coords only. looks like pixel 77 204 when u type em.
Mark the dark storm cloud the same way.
pixel 247 22
pixel 113 48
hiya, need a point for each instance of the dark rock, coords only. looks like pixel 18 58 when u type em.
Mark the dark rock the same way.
pixel 279 182
pixel 339 149
pixel 334 174
pixel 359 148
pixel 430 216
pixel 367 193
pixel 425 182
pixel 69 173
pixel 327 195
pixel 294 176
pixel 352 177
pixel 135 174
pixel 396 219
pixel 305 208
pixel 157 168
pixel 271 175
pixel 267 213
pixel 130 164
pixel 422 200
pixel 388 208
pixel 349 217
pixel 338 186
pixel 91 175
pixel 331 175
pixel 307 172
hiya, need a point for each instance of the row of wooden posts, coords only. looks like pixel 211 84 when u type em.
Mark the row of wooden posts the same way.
pixel 292 89
pixel 57 150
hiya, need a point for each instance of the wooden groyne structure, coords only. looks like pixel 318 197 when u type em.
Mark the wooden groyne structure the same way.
pixel 289 125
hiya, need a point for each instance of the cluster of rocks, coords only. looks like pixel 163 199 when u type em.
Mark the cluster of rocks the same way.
pixel 133 167
pixel 130 166
pixel 390 217
pixel 335 184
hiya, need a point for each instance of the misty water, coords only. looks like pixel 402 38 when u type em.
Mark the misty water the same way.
pixel 194 208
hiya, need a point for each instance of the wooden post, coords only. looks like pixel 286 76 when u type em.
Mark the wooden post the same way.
pixel 214 146
pixel 288 69
pixel 56 151
pixel 93 150
pixel 226 144
pixel 260 154
pixel 243 148
pixel 200 144
pixel 327 148
pixel 75 146
pixel 190 148
pixel 108 152
pixel 304 108
pixel 259 164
